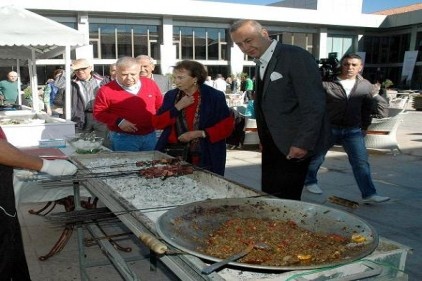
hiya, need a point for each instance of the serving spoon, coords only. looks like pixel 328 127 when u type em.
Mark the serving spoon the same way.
pixel 213 267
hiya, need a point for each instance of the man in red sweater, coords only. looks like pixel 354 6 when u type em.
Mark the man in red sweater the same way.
pixel 126 106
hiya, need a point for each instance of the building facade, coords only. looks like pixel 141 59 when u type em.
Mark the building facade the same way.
pixel 170 31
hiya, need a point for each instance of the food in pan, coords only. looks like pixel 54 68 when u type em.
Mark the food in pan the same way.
pixel 289 244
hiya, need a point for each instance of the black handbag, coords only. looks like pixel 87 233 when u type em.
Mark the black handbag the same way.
pixel 180 151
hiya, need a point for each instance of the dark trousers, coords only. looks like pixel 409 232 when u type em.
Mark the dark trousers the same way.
pixel 281 177
pixel 13 264
pixel 238 135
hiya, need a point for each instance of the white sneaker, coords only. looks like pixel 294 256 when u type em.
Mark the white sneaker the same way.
pixel 313 188
pixel 375 199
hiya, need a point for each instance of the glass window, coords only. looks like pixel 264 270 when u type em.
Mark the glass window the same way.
pixel 186 42
pixel 131 40
pixel 213 46
pixel 303 40
pixel 339 44
pixel 124 41
pixel 419 45
pixel 386 49
pixel 200 43
pixel 404 45
pixel 107 42
pixel 366 45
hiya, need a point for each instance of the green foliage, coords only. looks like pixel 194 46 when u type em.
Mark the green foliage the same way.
pixel 387 83
pixel 243 74
pixel 27 93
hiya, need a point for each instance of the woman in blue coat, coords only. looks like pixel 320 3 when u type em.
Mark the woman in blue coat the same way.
pixel 195 119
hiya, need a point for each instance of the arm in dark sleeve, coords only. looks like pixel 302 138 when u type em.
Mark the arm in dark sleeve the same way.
pixel 311 98
pixel 366 111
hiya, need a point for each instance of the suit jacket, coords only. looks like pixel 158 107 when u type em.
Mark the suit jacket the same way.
pixel 292 102
pixel 163 82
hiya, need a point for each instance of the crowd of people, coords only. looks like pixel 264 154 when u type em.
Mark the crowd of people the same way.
pixel 299 118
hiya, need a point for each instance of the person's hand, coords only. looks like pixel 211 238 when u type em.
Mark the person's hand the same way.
pixel 184 102
pixel 58 167
pixel 127 126
pixel 296 153
pixel 188 136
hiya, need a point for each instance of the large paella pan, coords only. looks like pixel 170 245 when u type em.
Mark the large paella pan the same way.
pixel 189 226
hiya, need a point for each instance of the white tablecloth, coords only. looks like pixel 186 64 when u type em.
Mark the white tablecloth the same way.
pixel 29 192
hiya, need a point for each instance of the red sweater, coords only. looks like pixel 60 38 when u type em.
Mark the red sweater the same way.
pixel 112 104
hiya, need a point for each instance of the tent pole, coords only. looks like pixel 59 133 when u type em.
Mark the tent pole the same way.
pixel 18 70
pixel 67 108
pixel 34 83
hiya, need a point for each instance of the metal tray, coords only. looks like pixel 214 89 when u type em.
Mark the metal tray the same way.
pixel 187 227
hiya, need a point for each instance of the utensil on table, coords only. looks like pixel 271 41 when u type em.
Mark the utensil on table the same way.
pixel 213 267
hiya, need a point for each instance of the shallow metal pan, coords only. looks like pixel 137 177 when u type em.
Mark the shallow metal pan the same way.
pixel 188 226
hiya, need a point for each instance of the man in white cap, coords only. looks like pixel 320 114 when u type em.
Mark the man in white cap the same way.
pixel 84 88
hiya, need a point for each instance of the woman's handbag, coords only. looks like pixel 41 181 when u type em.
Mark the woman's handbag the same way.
pixel 177 150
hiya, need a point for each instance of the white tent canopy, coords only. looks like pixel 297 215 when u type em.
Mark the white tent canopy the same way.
pixel 28 36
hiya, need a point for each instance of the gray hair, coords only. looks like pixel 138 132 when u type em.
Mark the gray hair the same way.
pixel 145 57
pixel 126 61
pixel 239 23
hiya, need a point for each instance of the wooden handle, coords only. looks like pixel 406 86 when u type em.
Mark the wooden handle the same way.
pixel 153 243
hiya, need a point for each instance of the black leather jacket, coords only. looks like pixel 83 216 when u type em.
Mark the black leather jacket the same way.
pixel 353 111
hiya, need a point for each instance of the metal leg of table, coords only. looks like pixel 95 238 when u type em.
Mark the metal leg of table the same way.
pixel 112 254
pixel 80 234
pixel 108 246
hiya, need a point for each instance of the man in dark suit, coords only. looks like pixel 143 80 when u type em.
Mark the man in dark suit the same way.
pixel 147 69
pixel 289 107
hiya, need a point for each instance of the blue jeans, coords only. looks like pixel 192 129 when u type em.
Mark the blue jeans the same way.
pixel 129 142
pixel 353 143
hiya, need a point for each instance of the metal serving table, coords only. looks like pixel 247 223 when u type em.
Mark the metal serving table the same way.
pixel 140 214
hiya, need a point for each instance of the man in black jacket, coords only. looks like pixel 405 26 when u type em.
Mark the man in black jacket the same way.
pixel 349 104
pixel 289 107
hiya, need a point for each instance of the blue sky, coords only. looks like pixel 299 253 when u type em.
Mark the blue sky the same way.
pixel 369 6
